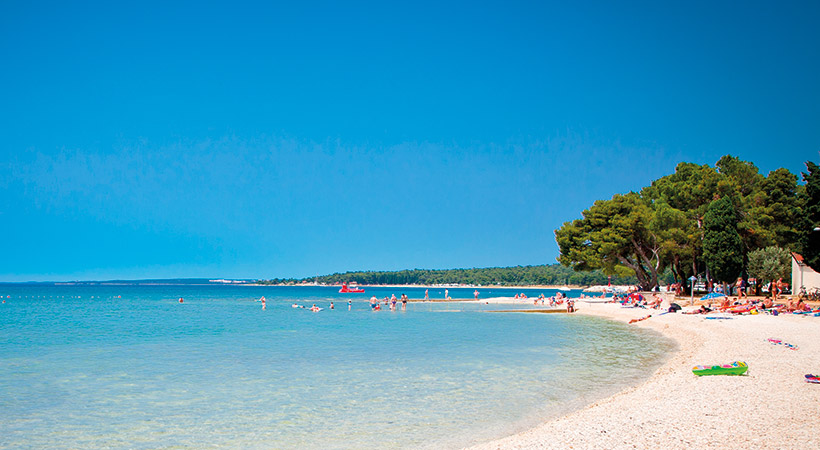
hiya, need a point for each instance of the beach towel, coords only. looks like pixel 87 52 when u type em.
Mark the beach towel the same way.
pixel 785 344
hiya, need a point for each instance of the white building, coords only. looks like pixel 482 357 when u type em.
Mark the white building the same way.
pixel 803 275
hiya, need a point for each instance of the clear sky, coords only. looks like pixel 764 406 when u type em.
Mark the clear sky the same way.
pixel 261 140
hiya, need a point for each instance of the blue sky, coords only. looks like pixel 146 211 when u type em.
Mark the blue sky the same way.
pixel 258 140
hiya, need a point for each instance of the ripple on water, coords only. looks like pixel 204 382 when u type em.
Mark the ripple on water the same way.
pixel 143 372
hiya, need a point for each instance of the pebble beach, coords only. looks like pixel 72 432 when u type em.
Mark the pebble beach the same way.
pixel 770 407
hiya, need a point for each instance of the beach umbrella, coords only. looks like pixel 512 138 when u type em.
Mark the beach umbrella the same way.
pixel 712 295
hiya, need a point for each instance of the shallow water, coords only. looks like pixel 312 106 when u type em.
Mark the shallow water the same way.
pixel 133 368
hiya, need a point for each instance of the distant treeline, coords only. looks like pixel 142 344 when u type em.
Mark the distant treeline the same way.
pixel 553 274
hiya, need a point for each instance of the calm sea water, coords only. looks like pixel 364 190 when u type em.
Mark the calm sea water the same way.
pixel 131 367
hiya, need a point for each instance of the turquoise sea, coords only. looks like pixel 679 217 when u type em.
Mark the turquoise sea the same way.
pixel 125 366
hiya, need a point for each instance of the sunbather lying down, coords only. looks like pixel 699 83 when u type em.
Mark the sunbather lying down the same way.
pixel 702 310
pixel 642 318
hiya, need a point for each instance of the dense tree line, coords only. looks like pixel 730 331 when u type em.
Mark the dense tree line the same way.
pixel 554 274
pixel 700 220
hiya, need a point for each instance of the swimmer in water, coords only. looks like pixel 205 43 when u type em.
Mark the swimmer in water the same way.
pixel 331 305
pixel 180 299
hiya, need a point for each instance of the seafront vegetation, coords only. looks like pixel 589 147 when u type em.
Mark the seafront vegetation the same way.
pixel 552 274
pixel 810 239
pixel 769 263
pixel 700 220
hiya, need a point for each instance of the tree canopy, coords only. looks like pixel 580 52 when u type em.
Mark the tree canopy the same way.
pixel 810 239
pixel 770 263
pixel 664 225
pixel 553 274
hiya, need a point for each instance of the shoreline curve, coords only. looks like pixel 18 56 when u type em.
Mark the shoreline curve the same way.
pixel 771 407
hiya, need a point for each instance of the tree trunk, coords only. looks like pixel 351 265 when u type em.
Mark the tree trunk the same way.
pixel 640 272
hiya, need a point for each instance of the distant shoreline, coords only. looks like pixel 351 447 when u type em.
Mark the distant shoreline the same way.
pixel 431 286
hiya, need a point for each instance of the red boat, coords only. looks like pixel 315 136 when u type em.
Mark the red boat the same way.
pixel 348 290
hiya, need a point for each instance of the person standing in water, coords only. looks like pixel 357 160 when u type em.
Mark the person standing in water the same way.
pixel 476 294
pixel 349 304
pixel 404 302
pixel 427 294
pixel 446 294
pixel 331 305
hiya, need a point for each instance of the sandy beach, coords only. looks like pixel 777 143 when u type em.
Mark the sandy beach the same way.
pixel 771 407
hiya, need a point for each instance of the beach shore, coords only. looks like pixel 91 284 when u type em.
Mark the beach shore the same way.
pixel 771 407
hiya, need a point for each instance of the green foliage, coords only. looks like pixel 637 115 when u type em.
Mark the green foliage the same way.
pixel 774 211
pixel 770 263
pixel 663 227
pixel 810 239
pixel 722 247
pixel 553 274
pixel 617 232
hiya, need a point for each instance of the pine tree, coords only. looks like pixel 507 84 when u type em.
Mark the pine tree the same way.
pixel 722 246
pixel 811 238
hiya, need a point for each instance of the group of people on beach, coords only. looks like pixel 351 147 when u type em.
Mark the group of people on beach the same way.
pixel 735 305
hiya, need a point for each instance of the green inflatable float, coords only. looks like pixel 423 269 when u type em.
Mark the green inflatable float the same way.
pixel 735 368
